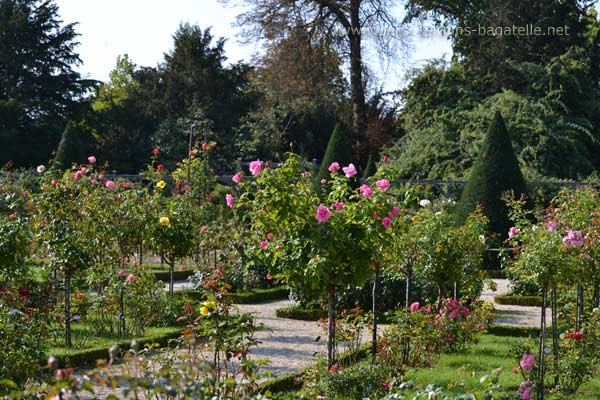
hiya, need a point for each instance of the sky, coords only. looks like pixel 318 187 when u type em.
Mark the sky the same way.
pixel 143 29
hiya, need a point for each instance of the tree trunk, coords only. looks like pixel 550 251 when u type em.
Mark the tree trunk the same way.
pixel 68 341
pixel 375 315
pixel 171 269
pixel 407 291
pixel 555 335
pixel 596 293
pixel 542 343
pixel 359 108
pixel 580 309
pixel 121 312
pixel 331 326
pixel 141 253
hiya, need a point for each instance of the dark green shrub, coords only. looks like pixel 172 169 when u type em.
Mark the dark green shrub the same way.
pixel 71 148
pixel 300 313
pixel 370 168
pixel 495 172
pixel 513 330
pixel 339 149
pixel 358 382
pixel 532 301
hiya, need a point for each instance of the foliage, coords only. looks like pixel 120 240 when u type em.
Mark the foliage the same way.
pixel 21 349
pixel 355 382
pixel 496 171
pixel 41 88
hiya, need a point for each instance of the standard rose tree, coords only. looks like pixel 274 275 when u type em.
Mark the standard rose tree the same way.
pixel 315 247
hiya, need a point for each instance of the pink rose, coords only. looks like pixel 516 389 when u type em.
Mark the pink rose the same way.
pixel 414 307
pixel 387 222
pixel 122 272
pixel 156 151
pixel 323 213
pixel 453 314
pixel 269 276
pixel 334 167
pixel 366 191
pixel 512 232
pixel 54 182
pixel 278 247
pixel 40 169
pixel 323 181
pixel 192 153
pixel 382 184
pixel 78 175
pixel 204 228
pixel 350 170
pixel 160 167
pixel 527 362
pixel 551 226
pixel 131 278
pixel 339 206
pixel 573 239
pixel 395 212
pixel 386 158
pixel 229 200
pixel 263 244
pixel 255 167
pixel 269 236
pixel 237 178
pixel 83 170
pixel 91 159
pixel 109 184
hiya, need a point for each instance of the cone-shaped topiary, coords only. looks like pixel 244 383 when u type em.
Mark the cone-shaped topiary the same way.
pixel 339 149
pixel 371 168
pixel 495 172
pixel 71 148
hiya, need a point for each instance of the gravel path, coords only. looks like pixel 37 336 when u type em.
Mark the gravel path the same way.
pixel 509 314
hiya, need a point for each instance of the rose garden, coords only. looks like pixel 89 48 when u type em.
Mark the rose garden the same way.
pixel 335 200
pixel 92 266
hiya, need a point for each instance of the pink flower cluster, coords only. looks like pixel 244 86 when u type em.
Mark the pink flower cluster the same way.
pixel 551 226
pixel 229 200
pixel 255 167
pixel 366 191
pixel 573 239
pixel 323 213
pixel 512 232
pixel 527 362
pixel 350 170
pixel 237 178
pixel 454 309
pixel 525 389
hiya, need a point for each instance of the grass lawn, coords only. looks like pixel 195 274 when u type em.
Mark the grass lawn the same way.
pixel 490 353
pixel 84 338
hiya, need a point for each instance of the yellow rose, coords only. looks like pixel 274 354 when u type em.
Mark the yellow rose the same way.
pixel 211 304
pixel 161 184
pixel 164 221
pixel 204 310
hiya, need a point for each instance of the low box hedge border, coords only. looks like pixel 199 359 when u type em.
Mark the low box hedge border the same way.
pixel 90 356
pixel 514 330
pixel 250 297
pixel 293 381
pixel 509 299
pixel 164 275
pixel 300 313
pixel 258 295
pixel 494 273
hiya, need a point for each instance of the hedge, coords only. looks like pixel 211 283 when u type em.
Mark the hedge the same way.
pixel 293 381
pixel 75 358
pixel 258 295
pixel 513 330
pixel 164 275
pixel 495 273
pixel 251 297
pixel 509 299
pixel 300 313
